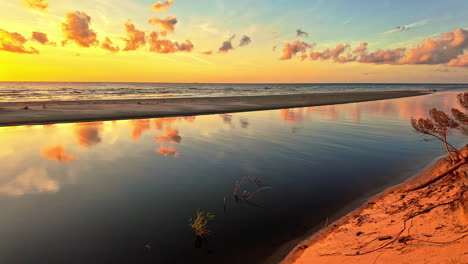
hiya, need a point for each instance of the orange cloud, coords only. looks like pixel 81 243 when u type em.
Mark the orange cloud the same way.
pixel 76 28
pixel 167 46
pixel 87 134
pixel 227 45
pixel 162 6
pixel 167 24
pixel 209 52
pixel 41 5
pixel 108 45
pixel 389 56
pixel 170 151
pixel 135 38
pixel 460 61
pixel 14 42
pixel 291 49
pixel 446 47
pixel 58 153
pixel 42 38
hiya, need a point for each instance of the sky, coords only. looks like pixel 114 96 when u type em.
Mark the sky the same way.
pixel 244 41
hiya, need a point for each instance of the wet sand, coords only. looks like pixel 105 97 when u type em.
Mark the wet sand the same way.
pixel 21 113
pixel 428 225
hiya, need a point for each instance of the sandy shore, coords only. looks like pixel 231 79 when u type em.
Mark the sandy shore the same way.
pixel 428 225
pixel 20 113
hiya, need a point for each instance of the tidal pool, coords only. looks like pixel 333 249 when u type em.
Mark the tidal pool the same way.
pixel 125 191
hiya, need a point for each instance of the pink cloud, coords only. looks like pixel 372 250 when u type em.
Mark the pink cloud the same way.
pixel 442 49
pixel 460 61
pixel 291 49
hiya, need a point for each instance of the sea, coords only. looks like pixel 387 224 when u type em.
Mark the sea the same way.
pixel 66 91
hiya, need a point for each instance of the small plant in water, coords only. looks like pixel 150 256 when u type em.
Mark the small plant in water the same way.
pixel 199 224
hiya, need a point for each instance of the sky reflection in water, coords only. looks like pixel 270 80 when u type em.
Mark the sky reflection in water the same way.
pixel 99 192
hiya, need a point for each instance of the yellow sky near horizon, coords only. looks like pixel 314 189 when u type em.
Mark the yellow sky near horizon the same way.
pixel 256 62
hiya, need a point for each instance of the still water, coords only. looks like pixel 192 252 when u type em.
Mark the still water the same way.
pixel 124 191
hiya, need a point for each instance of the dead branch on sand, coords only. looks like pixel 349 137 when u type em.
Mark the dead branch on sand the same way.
pixel 408 238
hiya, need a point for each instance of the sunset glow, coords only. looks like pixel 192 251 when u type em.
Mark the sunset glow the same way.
pixel 234 41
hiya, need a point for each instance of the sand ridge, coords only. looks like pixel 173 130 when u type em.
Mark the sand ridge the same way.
pixel 20 113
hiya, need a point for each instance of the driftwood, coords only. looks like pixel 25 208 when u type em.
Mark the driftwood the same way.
pixel 438 177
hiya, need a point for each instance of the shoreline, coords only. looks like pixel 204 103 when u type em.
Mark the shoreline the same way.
pixel 46 112
pixel 292 252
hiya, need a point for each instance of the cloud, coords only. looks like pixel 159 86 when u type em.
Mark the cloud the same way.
pixel 300 33
pixel 135 38
pixel 186 46
pixel 42 38
pixel 209 52
pixel 291 49
pixel 407 27
pixel 108 45
pixel 361 49
pixel 333 54
pixel 227 45
pixel 167 46
pixel 389 56
pixel 442 49
pixel 460 61
pixel 448 49
pixel 58 153
pixel 245 41
pixel 41 5
pixel 167 24
pixel 14 42
pixel 76 28
pixel 162 6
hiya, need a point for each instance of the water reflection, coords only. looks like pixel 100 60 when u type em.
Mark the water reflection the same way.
pixel 107 180
pixel 139 126
pixel 87 134
pixel 32 180
pixel 58 153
